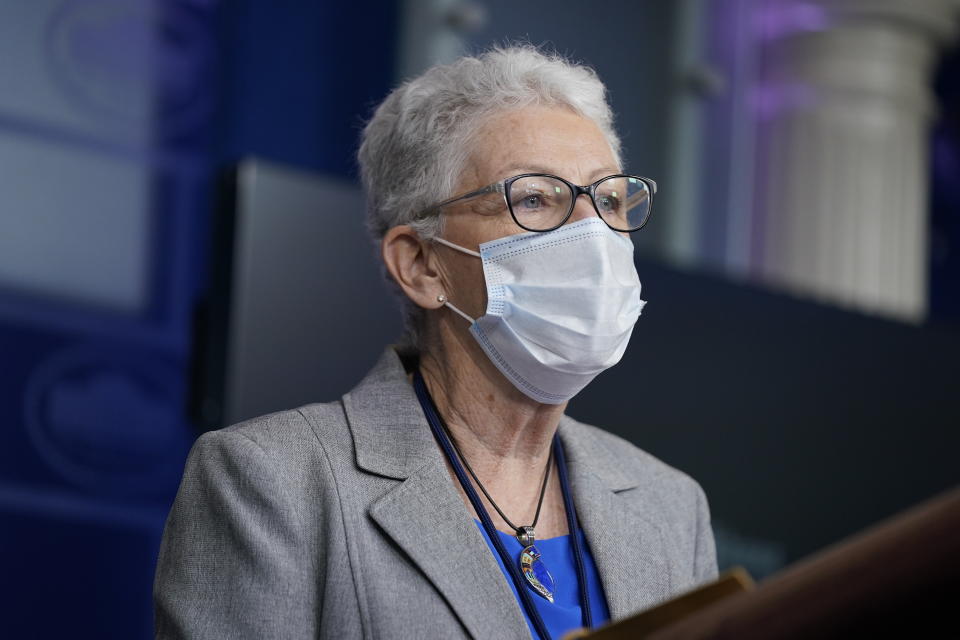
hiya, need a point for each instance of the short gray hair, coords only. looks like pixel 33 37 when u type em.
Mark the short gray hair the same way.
pixel 417 143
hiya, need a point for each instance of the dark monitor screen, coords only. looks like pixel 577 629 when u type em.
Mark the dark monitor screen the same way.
pixel 299 309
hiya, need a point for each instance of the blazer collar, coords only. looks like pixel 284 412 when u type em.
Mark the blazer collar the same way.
pixel 627 544
pixel 390 433
pixel 586 455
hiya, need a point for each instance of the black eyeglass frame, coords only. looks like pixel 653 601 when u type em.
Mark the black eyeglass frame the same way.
pixel 503 187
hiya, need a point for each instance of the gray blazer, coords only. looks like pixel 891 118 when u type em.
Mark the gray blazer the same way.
pixel 340 520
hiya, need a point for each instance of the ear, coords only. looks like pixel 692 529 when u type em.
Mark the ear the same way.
pixel 407 258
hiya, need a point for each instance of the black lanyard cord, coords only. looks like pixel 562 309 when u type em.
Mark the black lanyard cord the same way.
pixel 574 527
pixel 439 432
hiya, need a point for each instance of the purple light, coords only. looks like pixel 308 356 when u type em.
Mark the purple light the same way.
pixel 768 101
pixel 777 20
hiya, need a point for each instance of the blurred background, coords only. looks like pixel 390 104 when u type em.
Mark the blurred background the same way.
pixel 182 247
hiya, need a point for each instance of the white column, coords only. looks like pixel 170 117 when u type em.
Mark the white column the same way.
pixel 843 105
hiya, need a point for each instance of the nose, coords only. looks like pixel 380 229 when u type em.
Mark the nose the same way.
pixel 582 209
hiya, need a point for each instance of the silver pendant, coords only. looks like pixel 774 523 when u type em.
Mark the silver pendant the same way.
pixel 532 567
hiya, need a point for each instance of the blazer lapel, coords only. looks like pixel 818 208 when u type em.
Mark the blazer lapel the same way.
pixel 424 514
pixel 426 517
pixel 628 549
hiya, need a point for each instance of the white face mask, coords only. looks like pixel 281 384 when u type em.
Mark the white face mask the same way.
pixel 561 306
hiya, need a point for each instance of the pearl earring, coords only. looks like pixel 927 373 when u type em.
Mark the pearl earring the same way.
pixel 441 298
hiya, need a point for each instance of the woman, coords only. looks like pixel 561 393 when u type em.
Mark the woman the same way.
pixel 447 495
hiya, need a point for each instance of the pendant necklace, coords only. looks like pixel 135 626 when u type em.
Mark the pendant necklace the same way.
pixel 531 565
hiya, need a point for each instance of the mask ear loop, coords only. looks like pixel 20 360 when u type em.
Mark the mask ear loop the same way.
pixel 442 299
pixel 457 247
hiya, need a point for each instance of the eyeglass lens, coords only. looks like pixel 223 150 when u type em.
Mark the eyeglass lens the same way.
pixel 540 202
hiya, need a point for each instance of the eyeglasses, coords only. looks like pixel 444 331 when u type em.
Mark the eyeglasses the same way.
pixel 544 202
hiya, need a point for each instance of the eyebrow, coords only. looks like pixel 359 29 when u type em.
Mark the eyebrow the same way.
pixel 528 168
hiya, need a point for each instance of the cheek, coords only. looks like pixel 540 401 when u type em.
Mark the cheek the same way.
pixel 463 282
pixel 506 227
pixel 471 288
pixel 492 229
pixel 477 229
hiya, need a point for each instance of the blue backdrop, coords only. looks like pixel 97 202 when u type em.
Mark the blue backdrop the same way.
pixel 116 117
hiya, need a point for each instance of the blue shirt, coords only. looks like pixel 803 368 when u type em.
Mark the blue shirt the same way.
pixel 564 613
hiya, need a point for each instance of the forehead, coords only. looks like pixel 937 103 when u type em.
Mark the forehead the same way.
pixel 539 139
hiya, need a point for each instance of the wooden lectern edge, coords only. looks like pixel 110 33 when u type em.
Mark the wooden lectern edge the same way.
pixel 878 572
pixel 894 560
pixel 731 582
